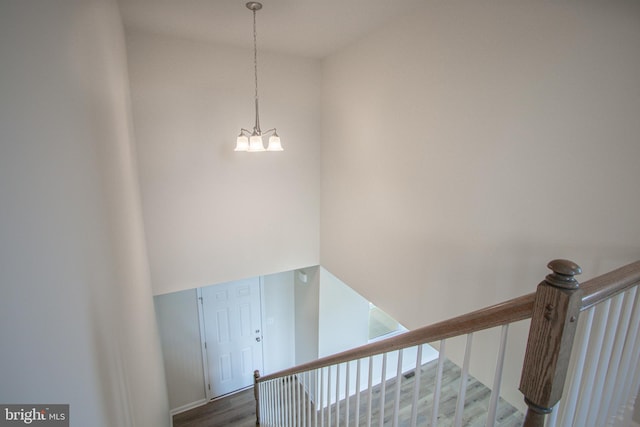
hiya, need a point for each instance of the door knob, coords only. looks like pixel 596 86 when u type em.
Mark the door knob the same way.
pixel 258 339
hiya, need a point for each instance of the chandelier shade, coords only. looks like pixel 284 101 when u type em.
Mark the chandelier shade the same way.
pixel 274 143
pixel 255 143
pixel 242 143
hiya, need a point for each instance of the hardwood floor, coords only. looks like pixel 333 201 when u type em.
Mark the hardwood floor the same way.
pixel 238 410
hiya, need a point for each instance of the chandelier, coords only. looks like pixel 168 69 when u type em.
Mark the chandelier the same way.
pixel 251 141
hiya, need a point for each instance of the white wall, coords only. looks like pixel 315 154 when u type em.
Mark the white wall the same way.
pixel 278 322
pixel 76 313
pixel 212 215
pixel 179 326
pixel 307 305
pixel 466 147
pixel 469 143
pixel 343 319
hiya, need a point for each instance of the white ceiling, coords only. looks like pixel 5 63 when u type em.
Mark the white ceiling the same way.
pixel 301 27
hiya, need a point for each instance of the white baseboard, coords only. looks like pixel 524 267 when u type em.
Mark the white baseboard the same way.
pixel 187 407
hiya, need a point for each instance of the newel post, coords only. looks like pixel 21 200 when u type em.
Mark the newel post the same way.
pixel 553 326
pixel 256 394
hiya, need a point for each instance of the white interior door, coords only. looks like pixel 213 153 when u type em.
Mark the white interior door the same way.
pixel 233 334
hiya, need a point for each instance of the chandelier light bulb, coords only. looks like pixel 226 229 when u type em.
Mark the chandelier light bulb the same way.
pixel 242 143
pixel 274 143
pixel 255 143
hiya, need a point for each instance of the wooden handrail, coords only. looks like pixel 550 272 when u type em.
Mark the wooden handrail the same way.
pixel 610 284
pixel 509 311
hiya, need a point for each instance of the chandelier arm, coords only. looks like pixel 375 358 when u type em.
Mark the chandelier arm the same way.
pixel 266 132
pixel 245 132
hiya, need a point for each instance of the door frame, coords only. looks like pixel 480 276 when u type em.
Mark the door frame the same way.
pixel 203 341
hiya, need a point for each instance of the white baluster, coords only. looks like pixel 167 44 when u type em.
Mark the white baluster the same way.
pixel 281 419
pixel 624 418
pixel 263 396
pixel 274 401
pixel 288 391
pixel 264 401
pixel 297 403
pixel 322 397
pixel 273 405
pixel 597 399
pixel 306 399
pixel 302 405
pixel 310 397
pixel 635 384
pixel 595 348
pixel 313 401
pixel 613 372
pixel 497 378
pixel 316 399
pixel 370 392
pixel 269 401
pixel 438 387
pixel 337 395
pixel 632 347
pixel 329 396
pixel 267 414
pixel 383 386
pixel 569 403
pixel 285 406
pixel 346 394
pixel 357 415
pixel 293 409
pixel 416 387
pixel 552 418
pixel 396 405
pixel 463 383
pixel 292 401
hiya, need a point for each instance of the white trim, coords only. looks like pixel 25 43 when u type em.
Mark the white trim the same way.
pixel 203 339
pixel 231 393
pixel 187 407
pixel 263 321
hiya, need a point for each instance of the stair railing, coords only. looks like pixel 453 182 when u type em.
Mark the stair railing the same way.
pixel 603 374
pixel 325 390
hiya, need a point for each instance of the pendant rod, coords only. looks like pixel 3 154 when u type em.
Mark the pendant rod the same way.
pixel 255 6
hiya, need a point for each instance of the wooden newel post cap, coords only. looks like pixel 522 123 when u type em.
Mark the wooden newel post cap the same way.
pixel 563 274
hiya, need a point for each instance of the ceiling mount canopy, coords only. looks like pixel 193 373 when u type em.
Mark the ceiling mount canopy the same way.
pixel 251 141
pixel 254 5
